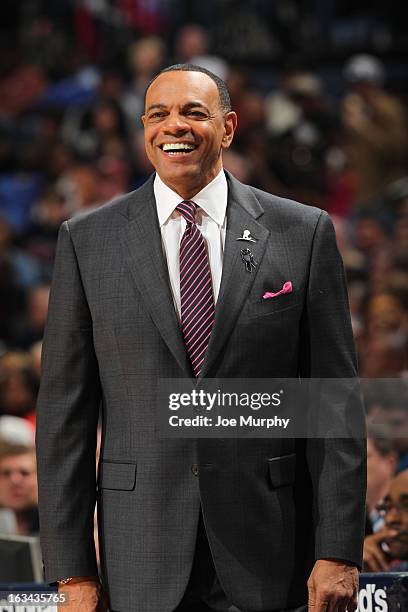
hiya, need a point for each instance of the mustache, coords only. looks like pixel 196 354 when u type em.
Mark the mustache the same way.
pixel 401 535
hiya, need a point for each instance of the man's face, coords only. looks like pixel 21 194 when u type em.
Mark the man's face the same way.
pixel 18 482
pixel 396 420
pixel 396 515
pixel 186 130
pixel 380 469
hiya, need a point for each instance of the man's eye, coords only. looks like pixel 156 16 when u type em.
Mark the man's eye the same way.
pixel 156 115
pixel 196 113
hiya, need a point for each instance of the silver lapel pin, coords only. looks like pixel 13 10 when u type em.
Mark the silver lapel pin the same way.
pixel 248 260
pixel 246 236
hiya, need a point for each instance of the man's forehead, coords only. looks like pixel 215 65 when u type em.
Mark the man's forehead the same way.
pixel 183 84
pixel 20 458
pixel 399 486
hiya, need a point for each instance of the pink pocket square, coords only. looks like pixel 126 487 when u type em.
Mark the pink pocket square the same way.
pixel 287 288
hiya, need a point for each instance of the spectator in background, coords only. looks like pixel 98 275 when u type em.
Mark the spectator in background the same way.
pixel 387 405
pixel 192 47
pixel 381 465
pixel 21 89
pixel 371 233
pixel 384 350
pixel 47 214
pixel 18 386
pixel 18 486
pixel 387 550
pixel 251 153
pixel 379 360
pixel 80 188
pixel 145 56
pixel 31 328
pixel 114 176
pixel 61 158
pixel 191 41
pixel 388 319
pixel 376 129
pixel 248 103
pixel 89 131
pixel 17 272
pixel 302 125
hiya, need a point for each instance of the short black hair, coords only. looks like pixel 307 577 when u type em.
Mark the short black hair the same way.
pixel 225 100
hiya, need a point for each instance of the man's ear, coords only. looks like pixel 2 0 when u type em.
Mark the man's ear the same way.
pixel 230 124
pixel 143 119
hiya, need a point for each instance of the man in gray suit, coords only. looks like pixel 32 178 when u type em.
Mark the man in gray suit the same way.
pixel 238 525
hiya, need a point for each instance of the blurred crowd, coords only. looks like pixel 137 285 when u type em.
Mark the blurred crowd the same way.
pixel 71 140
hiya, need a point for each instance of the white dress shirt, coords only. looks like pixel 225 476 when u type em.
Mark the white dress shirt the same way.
pixel 211 220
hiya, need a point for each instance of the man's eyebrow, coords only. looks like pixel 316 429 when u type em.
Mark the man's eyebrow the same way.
pixel 187 106
pixel 158 105
pixel 195 104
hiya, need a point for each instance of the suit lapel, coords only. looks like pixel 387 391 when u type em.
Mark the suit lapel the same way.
pixel 146 261
pixel 236 282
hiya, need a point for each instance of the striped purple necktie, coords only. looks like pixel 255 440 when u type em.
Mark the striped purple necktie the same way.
pixel 197 301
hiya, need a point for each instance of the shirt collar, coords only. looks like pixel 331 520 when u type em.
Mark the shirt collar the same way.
pixel 212 199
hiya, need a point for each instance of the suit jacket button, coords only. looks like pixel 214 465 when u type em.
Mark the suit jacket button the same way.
pixel 194 469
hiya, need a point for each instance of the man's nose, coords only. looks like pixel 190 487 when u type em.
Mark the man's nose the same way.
pixel 16 478
pixel 393 518
pixel 176 124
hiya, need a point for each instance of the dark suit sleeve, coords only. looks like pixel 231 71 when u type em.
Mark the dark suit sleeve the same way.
pixel 337 465
pixel 68 407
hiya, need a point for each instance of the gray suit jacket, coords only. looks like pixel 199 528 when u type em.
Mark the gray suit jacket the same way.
pixel 112 331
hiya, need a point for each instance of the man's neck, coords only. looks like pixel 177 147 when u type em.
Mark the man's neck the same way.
pixel 188 192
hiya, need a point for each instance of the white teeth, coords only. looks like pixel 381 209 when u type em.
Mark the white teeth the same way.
pixel 178 146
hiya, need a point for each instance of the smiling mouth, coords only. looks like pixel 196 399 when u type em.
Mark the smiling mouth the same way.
pixel 178 148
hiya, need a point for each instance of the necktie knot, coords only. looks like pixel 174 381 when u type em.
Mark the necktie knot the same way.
pixel 188 209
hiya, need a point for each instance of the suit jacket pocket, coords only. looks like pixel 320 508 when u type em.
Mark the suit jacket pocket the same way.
pixel 273 305
pixel 282 470
pixel 120 476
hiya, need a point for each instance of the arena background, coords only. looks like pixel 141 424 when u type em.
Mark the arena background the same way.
pixel 320 87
